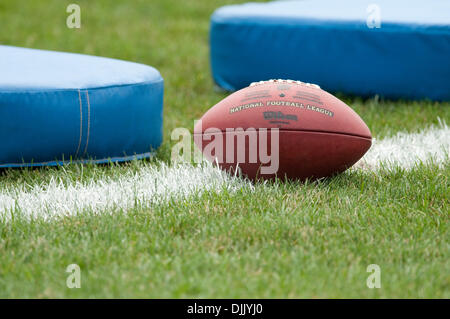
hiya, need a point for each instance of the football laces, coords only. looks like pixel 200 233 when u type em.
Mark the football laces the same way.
pixel 285 81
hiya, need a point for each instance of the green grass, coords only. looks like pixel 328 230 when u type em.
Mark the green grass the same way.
pixel 278 240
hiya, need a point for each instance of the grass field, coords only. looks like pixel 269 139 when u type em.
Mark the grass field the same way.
pixel 281 240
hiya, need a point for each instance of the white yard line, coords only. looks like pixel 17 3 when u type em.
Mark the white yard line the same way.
pixel 409 149
pixel 150 185
pixel 159 184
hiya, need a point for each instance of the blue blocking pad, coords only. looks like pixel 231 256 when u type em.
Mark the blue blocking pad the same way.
pixel 338 45
pixel 57 107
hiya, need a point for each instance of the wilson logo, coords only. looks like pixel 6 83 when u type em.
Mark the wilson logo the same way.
pixel 279 116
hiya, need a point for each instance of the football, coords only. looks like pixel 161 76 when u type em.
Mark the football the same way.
pixel 282 128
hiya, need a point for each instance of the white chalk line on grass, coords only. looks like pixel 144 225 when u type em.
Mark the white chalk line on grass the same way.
pixel 406 150
pixel 160 183
pixel 150 185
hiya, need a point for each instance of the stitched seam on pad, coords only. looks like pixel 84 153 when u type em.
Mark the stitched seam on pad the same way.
pixel 33 91
pixel 89 122
pixel 81 124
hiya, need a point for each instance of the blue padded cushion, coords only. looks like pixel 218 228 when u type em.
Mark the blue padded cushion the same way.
pixel 57 107
pixel 329 43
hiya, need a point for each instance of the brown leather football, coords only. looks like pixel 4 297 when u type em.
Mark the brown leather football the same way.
pixel 283 128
